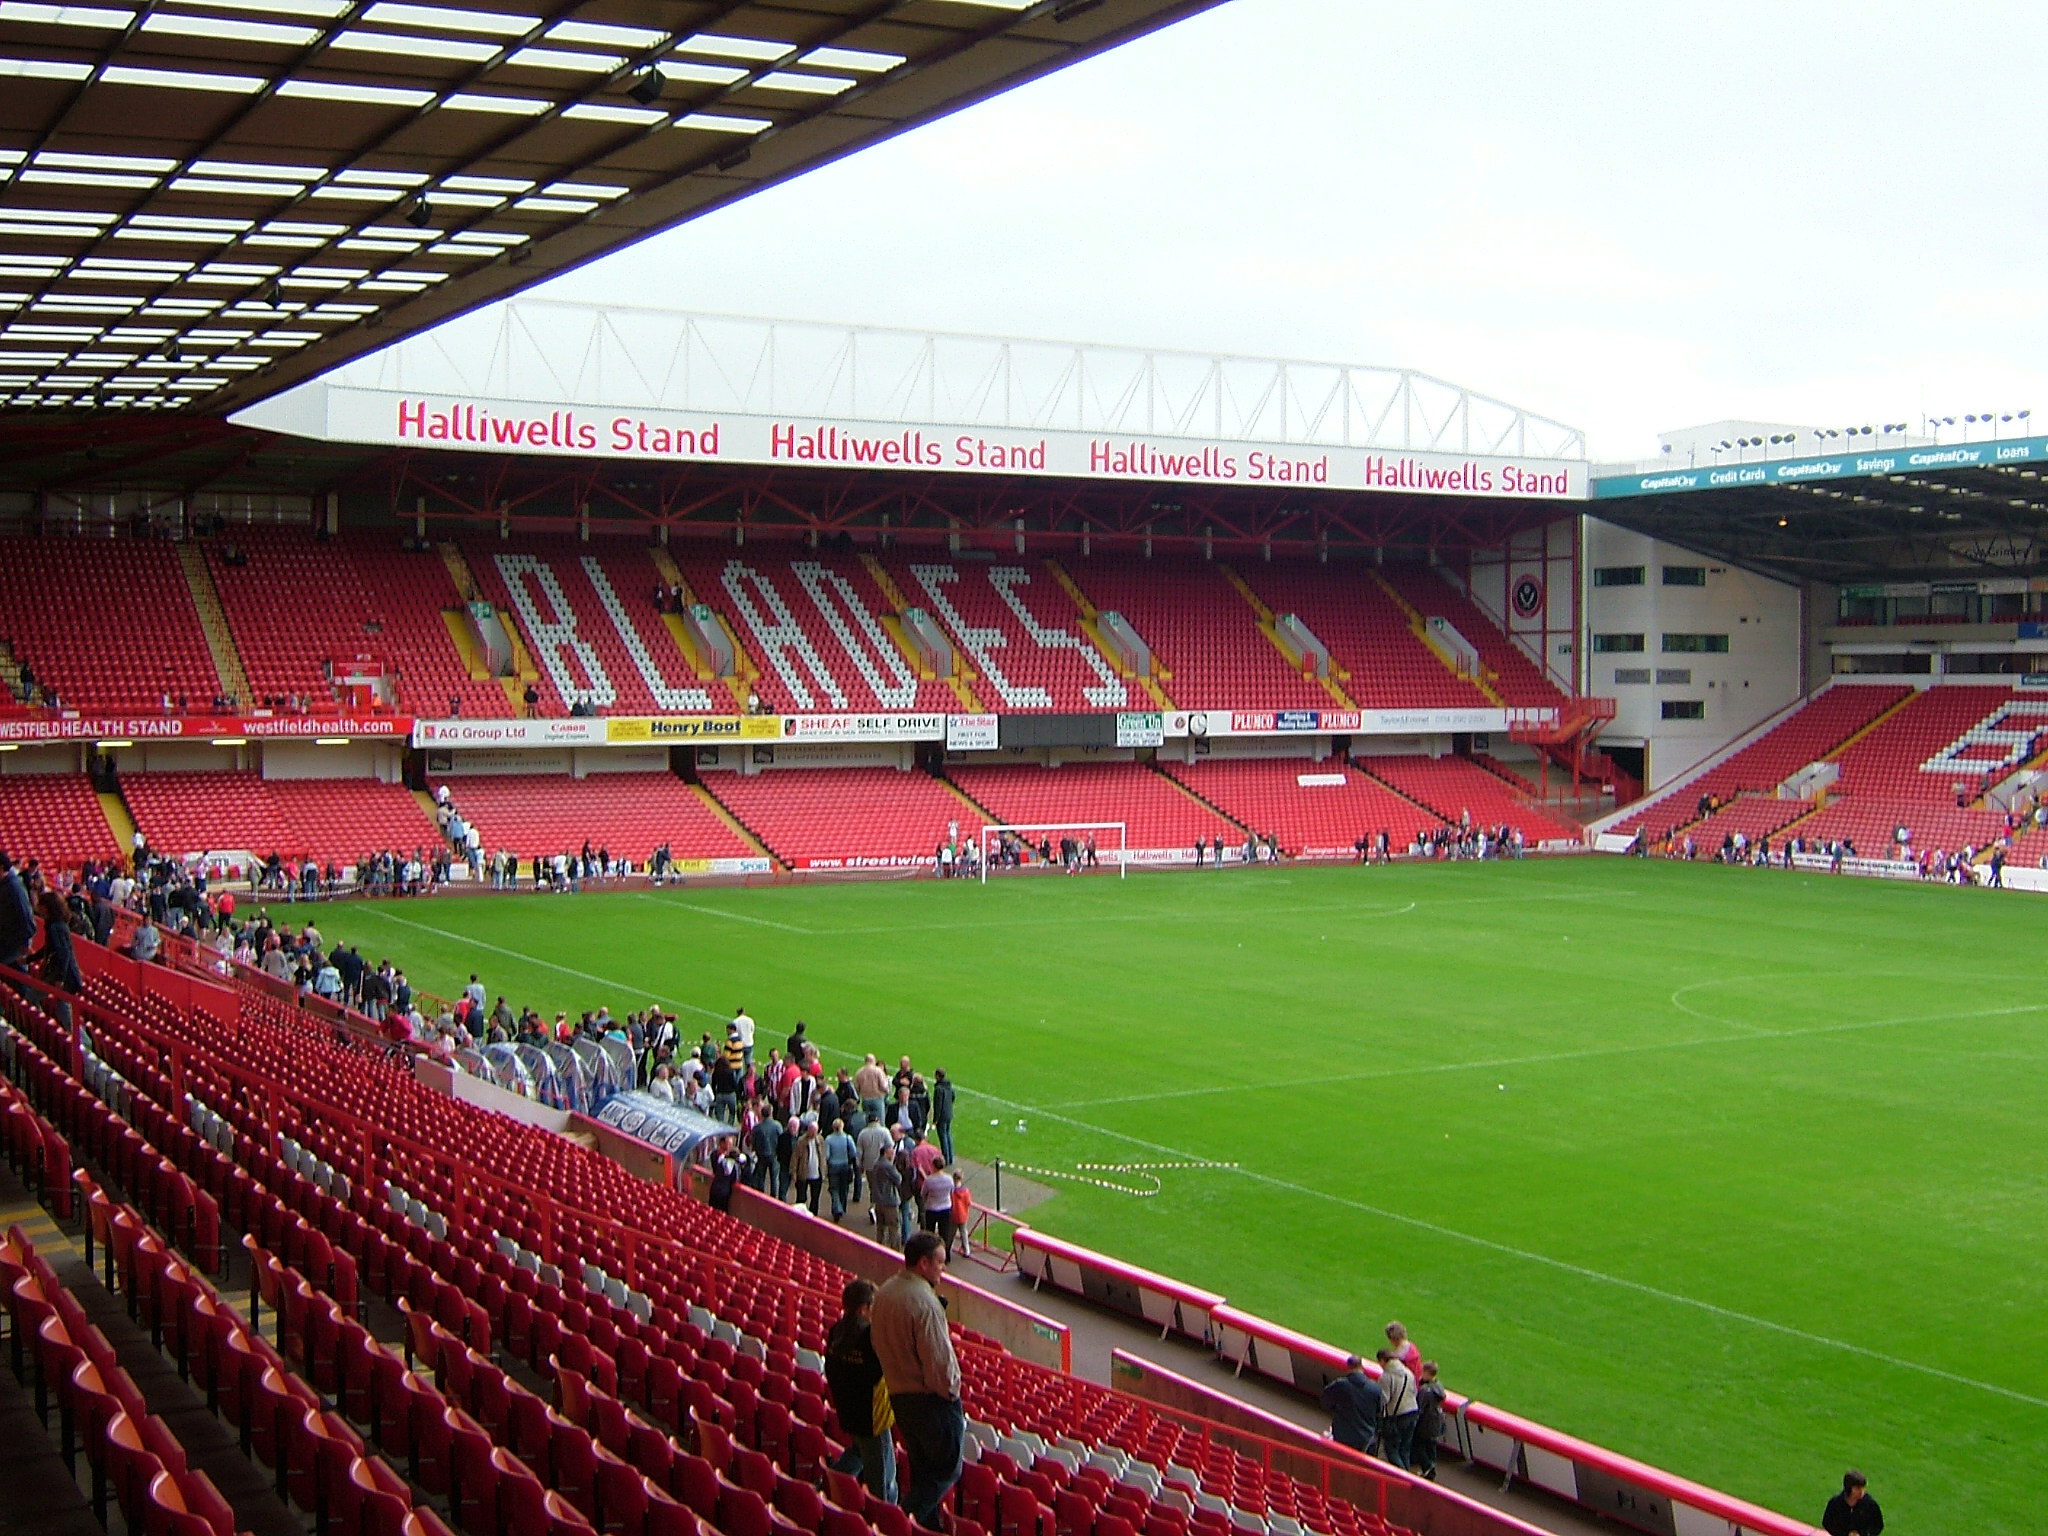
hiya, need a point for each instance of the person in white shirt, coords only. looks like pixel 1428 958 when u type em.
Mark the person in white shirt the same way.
pixel 745 1026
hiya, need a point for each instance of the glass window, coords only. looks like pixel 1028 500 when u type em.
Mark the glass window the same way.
pixel 1696 644
pixel 1618 575
pixel 1613 643
pixel 1685 575
pixel 1684 709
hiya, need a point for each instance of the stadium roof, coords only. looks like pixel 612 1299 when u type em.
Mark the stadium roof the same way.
pixel 1917 510
pixel 203 201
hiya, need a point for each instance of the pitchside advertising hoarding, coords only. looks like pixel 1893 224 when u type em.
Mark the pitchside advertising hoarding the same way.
pixel 222 728
pixel 393 418
pixel 960 733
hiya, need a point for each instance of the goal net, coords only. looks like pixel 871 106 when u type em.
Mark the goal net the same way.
pixel 1076 845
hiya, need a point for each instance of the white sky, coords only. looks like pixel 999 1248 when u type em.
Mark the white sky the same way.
pixel 1625 216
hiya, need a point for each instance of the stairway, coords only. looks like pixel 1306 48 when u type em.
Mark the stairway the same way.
pixel 738 828
pixel 958 679
pixel 1331 684
pixel 120 820
pixel 1147 683
pixel 1417 622
pixel 741 683
pixel 213 619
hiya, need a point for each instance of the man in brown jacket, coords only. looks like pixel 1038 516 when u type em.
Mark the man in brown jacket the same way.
pixel 908 1331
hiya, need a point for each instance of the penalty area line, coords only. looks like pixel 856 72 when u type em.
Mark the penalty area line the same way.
pixel 736 917
pixel 1562 1266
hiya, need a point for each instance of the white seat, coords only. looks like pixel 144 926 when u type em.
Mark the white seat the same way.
pixel 530 1262
pixel 341 1188
pixel 507 1249
pixel 1016 1450
pixel 547 1274
pixel 436 1225
pixel 721 1329
pixel 1283 1525
pixel 593 1279
pixel 1109 1462
pixel 749 1345
pixel 704 1322
pixel 1205 1500
pixel 1064 1457
pixel 640 1306
pixel 980 1433
pixel 615 1292
pixel 1175 1498
pixel 811 1360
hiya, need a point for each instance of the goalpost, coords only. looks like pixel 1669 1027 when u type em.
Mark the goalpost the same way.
pixel 994 829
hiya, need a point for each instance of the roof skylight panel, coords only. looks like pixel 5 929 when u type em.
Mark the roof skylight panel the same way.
pixel 700 74
pixel 90 222
pixel 185 80
pixel 412 45
pixel 319 10
pixel 565 59
pixel 594 112
pixel 72 161
pixel 606 34
pixel 275 34
pixel 297 227
pixel 507 106
pixel 718 46
pixel 105 18
pixel 88 179
pixel 468 199
pixel 598 190
pixel 215 186
pixel 258 168
pixel 118 266
pixel 43 69
pixel 808 85
pixel 723 122
pixel 365 243
pixel 361 95
pixel 451 19
pixel 861 60
pixel 493 237
pixel 555 205
pixel 88 304
pixel 486 184
pixel 358 194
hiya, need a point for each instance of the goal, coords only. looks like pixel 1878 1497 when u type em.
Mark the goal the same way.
pixel 1030 832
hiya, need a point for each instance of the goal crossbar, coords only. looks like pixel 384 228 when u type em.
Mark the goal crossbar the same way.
pixel 997 828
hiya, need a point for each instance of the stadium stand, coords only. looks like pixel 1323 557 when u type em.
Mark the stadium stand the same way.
pixel 1310 821
pixel 1202 631
pixel 1020 632
pixel 57 594
pixel 685 1380
pixel 1517 679
pixel 1751 817
pixel 1453 786
pixel 1813 731
pixel 56 816
pixel 323 819
pixel 296 605
pixel 628 814
pixel 1156 812
pixel 1896 776
pixel 604 595
pixel 829 818
pixel 814 630
pixel 1368 635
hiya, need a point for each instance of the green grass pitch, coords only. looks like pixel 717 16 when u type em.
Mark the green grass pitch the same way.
pixel 1743 1173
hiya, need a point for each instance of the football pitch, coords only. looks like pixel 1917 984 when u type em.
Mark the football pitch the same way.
pixel 1741 1172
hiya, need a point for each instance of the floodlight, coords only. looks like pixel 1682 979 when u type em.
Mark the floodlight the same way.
pixel 646 87
pixel 420 214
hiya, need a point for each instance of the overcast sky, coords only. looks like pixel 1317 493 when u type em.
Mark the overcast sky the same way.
pixel 1625 216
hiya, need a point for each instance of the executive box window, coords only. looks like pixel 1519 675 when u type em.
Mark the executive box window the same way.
pixel 1674 677
pixel 1618 575
pixel 1684 709
pixel 1610 644
pixel 1685 575
pixel 1694 645
pixel 1623 676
